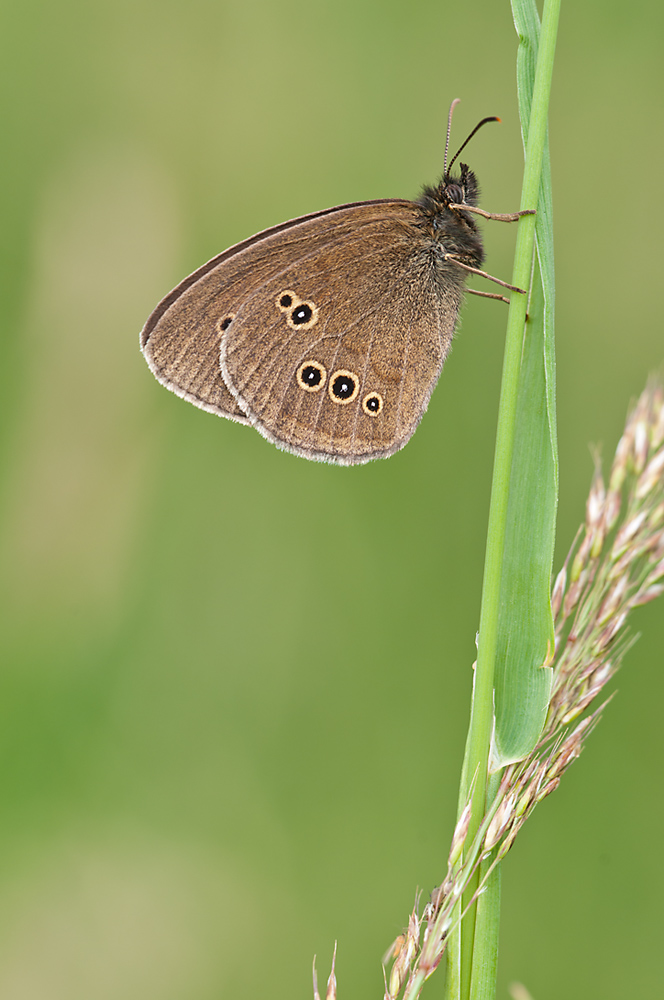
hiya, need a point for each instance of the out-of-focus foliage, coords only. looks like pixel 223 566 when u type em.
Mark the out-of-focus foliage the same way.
pixel 235 685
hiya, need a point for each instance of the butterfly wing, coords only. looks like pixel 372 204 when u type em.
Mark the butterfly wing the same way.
pixel 328 333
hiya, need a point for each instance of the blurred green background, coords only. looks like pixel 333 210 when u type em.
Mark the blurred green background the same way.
pixel 235 684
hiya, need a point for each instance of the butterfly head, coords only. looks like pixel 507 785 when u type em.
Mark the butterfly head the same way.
pixel 454 190
pixel 461 189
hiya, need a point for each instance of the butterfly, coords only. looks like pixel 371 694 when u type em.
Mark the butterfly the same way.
pixel 328 333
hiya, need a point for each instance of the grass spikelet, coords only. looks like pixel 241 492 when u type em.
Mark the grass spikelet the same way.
pixel 615 564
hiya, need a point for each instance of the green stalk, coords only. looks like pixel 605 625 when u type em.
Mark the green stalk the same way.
pixel 462 984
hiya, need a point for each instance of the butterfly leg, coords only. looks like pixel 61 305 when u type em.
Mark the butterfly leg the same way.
pixel 482 274
pixel 496 216
pixel 488 295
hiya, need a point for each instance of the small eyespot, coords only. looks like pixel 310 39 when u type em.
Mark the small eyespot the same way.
pixel 302 314
pixel 372 404
pixel 311 376
pixel 344 386
pixel 224 323
pixel 285 300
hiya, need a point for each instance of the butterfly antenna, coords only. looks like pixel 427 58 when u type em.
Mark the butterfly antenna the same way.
pixel 457 100
pixel 464 144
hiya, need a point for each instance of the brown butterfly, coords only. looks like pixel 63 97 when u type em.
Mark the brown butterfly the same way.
pixel 328 333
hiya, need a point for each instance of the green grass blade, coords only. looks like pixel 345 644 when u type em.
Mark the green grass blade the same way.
pixel 525 632
pixel 516 628
pixel 525 625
